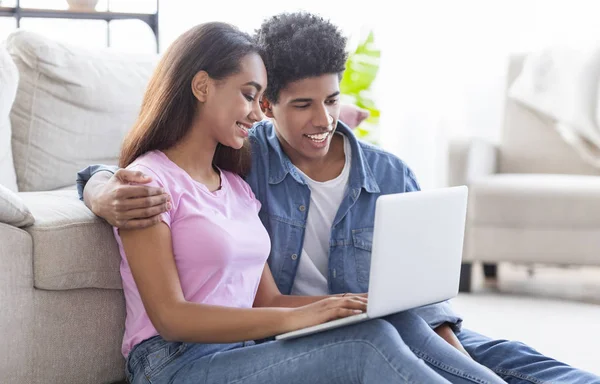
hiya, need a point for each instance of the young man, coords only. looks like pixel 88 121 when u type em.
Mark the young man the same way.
pixel 318 185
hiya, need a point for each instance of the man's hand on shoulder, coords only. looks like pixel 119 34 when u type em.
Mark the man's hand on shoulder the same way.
pixel 123 202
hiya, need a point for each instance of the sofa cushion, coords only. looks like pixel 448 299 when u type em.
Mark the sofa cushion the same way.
pixel 12 209
pixel 9 78
pixel 536 201
pixel 72 248
pixel 73 107
pixel 562 246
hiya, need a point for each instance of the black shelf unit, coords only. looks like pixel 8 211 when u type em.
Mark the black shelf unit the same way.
pixel 151 19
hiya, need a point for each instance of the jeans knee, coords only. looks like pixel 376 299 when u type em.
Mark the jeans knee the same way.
pixel 410 326
pixel 378 332
pixel 407 318
pixel 379 326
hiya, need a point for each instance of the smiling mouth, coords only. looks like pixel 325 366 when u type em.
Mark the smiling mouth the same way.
pixel 319 137
pixel 243 127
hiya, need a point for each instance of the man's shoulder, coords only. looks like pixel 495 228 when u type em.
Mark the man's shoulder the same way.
pixel 379 158
pixel 259 137
pixel 390 172
pixel 261 131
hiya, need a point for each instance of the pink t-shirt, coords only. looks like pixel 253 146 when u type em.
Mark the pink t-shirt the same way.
pixel 219 243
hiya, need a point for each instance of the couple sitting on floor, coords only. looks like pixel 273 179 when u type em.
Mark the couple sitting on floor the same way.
pixel 233 229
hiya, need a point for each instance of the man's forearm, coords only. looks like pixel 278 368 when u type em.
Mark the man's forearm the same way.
pixel 98 180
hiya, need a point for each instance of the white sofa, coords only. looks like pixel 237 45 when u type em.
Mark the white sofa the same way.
pixel 532 198
pixel 62 311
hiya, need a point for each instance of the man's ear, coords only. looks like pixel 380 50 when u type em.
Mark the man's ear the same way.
pixel 200 86
pixel 266 107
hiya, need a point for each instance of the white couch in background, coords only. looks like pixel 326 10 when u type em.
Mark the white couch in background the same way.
pixel 532 198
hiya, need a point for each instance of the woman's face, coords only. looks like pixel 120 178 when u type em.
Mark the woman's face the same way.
pixel 232 105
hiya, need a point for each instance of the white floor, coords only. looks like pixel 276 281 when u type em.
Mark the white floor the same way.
pixel 555 310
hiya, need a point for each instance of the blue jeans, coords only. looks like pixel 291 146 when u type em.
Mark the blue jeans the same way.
pixel 446 360
pixel 369 352
pixel 518 363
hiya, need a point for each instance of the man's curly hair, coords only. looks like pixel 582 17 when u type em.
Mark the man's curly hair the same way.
pixel 299 45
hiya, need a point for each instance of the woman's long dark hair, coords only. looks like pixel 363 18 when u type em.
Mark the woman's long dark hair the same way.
pixel 169 104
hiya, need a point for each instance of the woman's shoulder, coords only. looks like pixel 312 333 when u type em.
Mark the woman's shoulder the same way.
pixel 234 180
pixel 238 185
pixel 152 159
pixel 154 164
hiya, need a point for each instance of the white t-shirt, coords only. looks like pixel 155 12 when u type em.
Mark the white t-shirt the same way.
pixel 325 200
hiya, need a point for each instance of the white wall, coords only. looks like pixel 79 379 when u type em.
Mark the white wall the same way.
pixel 179 15
pixel 443 62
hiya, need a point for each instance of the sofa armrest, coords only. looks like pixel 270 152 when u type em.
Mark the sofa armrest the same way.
pixel 60 207
pixel 73 248
pixel 17 315
pixel 470 159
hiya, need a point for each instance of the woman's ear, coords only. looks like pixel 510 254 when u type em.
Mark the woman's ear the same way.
pixel 200 86
pixel 266 107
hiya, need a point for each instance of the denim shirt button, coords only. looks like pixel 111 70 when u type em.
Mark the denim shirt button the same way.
pixel 302 208
pixel 294 256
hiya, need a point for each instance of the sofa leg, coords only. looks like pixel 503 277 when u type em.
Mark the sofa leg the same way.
pixel 490 271
pixel 465 277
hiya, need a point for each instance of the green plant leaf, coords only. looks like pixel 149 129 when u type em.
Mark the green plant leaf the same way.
pixel 361 71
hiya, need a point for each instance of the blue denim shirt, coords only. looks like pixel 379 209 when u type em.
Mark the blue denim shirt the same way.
pixel 285 199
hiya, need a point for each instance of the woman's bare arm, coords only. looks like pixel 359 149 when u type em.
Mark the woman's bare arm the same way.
pixel 150 257
pixel 268 295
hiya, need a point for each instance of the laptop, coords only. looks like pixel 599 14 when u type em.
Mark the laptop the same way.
pixel 416 254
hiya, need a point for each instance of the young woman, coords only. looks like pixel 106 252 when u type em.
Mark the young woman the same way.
pixel 197 287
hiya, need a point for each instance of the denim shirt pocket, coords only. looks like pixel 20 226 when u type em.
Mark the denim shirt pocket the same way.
pixel 362 240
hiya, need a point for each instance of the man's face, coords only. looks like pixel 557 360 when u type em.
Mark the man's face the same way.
pixel 306 115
